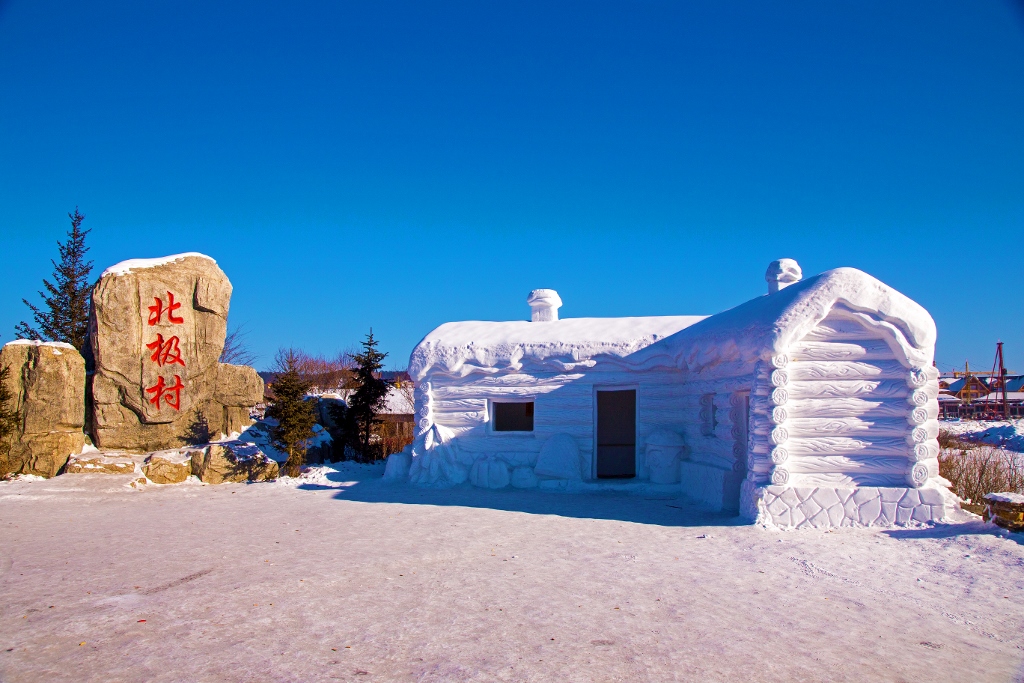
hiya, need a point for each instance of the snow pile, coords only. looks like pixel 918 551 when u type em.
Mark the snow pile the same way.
pixel 1008 435
pixel 125 267
pixel 38 342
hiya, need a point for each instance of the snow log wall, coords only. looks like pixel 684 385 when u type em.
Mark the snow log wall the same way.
pixel 843 431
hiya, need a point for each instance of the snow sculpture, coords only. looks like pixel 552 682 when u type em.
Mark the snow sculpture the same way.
pixel 524 478
pixel 559 458
pixel 782 274
pixel 544 305
pixel 812 405
pixel 489 473
pixel 664 451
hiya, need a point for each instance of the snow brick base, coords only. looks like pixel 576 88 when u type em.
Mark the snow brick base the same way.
pixel 824 508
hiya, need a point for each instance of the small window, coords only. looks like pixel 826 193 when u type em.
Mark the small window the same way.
pixel 513 417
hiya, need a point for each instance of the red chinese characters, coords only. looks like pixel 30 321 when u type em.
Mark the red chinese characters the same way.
pixel 170 394
pixel 165 352
pixel 157 310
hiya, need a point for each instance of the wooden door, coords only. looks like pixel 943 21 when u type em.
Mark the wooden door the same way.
pixel 616 434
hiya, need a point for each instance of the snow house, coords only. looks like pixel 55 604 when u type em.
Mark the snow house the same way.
pixel 812 405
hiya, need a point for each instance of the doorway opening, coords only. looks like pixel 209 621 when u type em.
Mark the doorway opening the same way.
pixel 616 434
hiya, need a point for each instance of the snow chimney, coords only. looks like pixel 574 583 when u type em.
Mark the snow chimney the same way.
pixel 544 304
pixel 782 274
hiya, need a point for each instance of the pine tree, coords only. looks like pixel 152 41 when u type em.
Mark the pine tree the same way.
pixel 366 401
pixel 8 421
pixel 294 414
pixel 65 315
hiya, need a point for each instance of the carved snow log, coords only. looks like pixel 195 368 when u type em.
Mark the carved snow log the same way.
pixel 849 407
pixel 493 443
pixel 845 370
pixel 465 419
pixel 838 445
pixel 846 426
pixel 719 447
pixel 868 389
pixel 837 330
pixel 460 405
pixel 872 349
pixel 725 462
pixel 841 464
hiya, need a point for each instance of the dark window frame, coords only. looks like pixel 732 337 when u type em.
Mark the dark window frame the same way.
pixel 506 423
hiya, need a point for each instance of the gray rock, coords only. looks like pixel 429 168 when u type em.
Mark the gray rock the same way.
pixel 47 381
pixel 233 461
pixel 157 330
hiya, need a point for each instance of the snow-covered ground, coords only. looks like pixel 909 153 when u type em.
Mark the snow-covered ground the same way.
pixel 1008 435
pixel 339 576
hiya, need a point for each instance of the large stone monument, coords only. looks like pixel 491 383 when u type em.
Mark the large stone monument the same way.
pixel 157 330
pixel 46 381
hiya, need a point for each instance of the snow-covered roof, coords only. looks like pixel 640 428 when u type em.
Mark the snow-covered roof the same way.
pixel 997 397
pixel 769 324
pixel 757 329
pixel 462 348
pixel 125 267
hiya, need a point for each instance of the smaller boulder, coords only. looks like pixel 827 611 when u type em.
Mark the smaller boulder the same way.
pixel 489 473
pixel 560 458
pixel 168 467
pixel 397 468
pixel 524 478
pixel 99 463
pixel 233 461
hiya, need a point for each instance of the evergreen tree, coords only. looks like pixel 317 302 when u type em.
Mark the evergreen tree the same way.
pixel 65 314
pixel 367 400
pixel 8 421
pixel 294 414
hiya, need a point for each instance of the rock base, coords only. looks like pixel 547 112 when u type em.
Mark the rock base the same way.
pixel 168 467
pixel 823 508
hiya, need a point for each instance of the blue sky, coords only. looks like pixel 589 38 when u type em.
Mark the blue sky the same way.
pixel 400 165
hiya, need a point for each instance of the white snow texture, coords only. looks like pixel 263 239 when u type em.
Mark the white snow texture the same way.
pixel 812 405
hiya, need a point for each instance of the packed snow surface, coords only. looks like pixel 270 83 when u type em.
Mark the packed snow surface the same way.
pixel 125 267
pixel 337 575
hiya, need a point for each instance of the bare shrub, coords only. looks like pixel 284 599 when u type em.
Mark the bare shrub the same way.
pixel 323 374
pixel 976 470
pixel 236 348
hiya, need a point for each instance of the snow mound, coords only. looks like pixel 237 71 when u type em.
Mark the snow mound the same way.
pixel 125 267
pixel 39 342
pixel 1008 435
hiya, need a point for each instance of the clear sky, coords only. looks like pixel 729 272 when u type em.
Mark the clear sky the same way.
pixel 400 165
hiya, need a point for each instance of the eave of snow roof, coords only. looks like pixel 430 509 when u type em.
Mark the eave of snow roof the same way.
pixel 462 348
pixel 769 324
pixel 125 267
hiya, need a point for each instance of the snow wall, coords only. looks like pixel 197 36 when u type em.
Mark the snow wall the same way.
pixel 814 405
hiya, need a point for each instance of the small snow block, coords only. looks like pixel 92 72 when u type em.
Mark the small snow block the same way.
pixel 863 495
pixel 931 496
pixel 808 508
pixel 820 520
pixel 910 499
pixel 903 515
pixel 870 512
pixel 777 507
pixel 803 493
pixel 888 516
pixel 850 509
pixel 923 514
pixel 783 519
pixel 836 514
pixel 790 498
pixel 891 495
pixel 826 497
pixel 489 473
pixel 524 478
pixel 844 494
